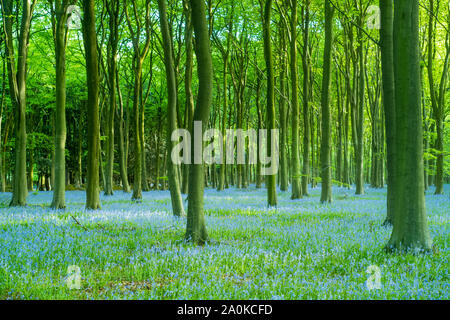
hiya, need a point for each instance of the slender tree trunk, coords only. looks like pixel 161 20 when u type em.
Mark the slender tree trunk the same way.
pixel 90 44
pixel 113 8
pixel 17 85
pixel 174 183
pixel 60 37
pixel 359 159
pixel 284 180
pixel 260 120
pixel 270 179
pixel 79 170
pixel 189 105
pixel 196 228
pixel 122 149
pixel 295 154
pixel 306 84
pixel 388 80
pixel 325 161
pixel 2 164
pixel 437 97
pixel 138 107
pixel 137 181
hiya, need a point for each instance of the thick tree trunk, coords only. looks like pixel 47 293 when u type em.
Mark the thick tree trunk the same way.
pixel 410 226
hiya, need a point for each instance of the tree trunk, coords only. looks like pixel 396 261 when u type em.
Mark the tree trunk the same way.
pixel 189 105
pixel 90 45
pixel 410 226
pixel 284 181
pixel 113 8
pixel 196 228
pixel 306 84
pixel 325 162
pixel 17 85
pixel 122 148
pixel 388 80
pixel 60 38
pixel 295 154
pixel 174 183
pixel 271 178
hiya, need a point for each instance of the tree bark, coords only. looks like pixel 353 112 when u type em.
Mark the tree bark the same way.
pixel 90 45
pixel 410 226
pixel 388 80
pixel 17 85
pixel 60 37
pixel 295 154
pixel 306 83
pixel 196 228
pixel 174 183
pixel 270 179
pixel 325 162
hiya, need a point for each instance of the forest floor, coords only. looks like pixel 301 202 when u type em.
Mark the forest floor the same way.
pixel 301 250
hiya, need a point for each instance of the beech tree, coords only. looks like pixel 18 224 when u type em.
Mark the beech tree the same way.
pixel 17 75
pixel 196 228
pixel 60 17
pixel 325 162
pixel 410 229
pixel 270 108
pixel 140 53
pixel 174 182
pixel 90 47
